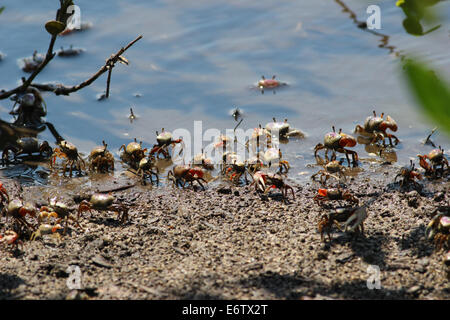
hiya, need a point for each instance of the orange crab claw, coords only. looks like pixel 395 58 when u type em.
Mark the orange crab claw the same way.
pixel 322 192
pixel 56 228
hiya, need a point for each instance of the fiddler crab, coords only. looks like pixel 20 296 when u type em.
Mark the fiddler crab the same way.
pixel 31 64
pixel 103 202
pixel 180 174
pixel 439 230
pixel 259 137
pixel 255 163
pixel 436 159
pixel 264 181
pixel 10 238
pixel 58 210
pixel 352 218
pixel 45 229
pixel 334 194
pixel 330 170
pixel 164 141
pixel 269 84
pixel 101 160
pixel 146 166
pixel 69 52
pixel 375 128
pixel 234 166
pixel 25 145
pixel 409 174
pixel 202 160
pixel 19 211
pixel 68 151
pixel 133 153
pixel 223 141
pixel 283 129
pixel 336 142
pixel 274 154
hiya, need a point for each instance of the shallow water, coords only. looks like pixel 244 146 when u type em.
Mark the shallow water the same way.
pixel 199 60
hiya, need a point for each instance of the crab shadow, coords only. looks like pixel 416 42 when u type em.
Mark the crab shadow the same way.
pixel 368 248
pixel 296 286
pixel 9 282
pixel 420 188
pixel 195 289
pixel 277 196
pixel 417 242
pixel 106 221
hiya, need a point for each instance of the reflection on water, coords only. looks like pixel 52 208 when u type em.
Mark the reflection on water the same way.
pixel 197 61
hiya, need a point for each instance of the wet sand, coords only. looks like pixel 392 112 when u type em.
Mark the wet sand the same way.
pixel 228 242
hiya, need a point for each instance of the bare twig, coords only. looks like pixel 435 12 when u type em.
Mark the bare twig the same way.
pixel 64 90
pixel 49 56
pixel 108 81
pixel 428 141
pixel 59 89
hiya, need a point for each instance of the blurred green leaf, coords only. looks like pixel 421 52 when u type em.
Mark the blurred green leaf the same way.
pixel 431 92
pixel 416 11
pixel 1 9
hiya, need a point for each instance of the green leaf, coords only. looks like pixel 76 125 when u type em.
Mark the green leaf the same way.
pixel 431 92
pixel 1 9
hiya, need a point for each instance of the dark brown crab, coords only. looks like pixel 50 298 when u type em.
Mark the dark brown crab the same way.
pixel 25 146
pixel 265 181
pixel 436 163
pixel 409 174
pixel 164 141
pixel 68 151
pixel 133 153
pixel 334 194
pixel 101 160
pixel 353 219
pixel 147 169
pixel 330 170
pixel 32 63
pixel 438 230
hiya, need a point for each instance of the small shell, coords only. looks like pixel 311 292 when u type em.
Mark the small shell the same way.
pixel 54 27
